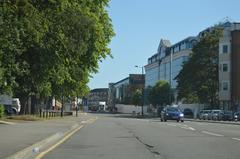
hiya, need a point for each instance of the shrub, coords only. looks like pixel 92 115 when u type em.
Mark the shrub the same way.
pixel 1 111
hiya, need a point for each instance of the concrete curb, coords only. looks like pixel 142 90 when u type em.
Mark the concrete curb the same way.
pixel 6 122
pixel 32 151
pixel 211 121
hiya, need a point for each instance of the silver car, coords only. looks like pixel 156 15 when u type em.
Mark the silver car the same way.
pixel 204 114
pixel 217 115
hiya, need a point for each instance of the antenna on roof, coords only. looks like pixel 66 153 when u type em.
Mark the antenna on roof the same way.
pixel 227 19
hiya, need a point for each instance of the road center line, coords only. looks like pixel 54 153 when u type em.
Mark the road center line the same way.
pixel 236 139
pixel 188 128
pixel 42 154
pixel 210 133
pixel 171 125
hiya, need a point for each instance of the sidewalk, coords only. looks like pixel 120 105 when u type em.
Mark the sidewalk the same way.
pixel 18 136
pixel 6 122
pixel 213 121
pixel 186 119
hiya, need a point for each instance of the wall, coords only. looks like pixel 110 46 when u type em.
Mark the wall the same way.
pixel 236 67
pixel 121 108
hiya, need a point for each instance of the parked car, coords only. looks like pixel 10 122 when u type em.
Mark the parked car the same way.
pixel 172 113
pixel 217 114
pixel 237 116
pixel 228 116
pixel 204 114
pixel 188 113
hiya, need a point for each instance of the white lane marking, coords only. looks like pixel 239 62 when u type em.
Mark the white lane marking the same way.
pixel 143 120
pixel 201 123
pixel 188 128
pixel 171 125
pixel 191 128
pixel 236 139
pixel 83 122
pixel 214 134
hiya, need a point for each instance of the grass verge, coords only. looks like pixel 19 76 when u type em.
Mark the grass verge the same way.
pixel 24 118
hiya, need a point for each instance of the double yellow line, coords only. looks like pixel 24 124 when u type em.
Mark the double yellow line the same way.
pixel 42 154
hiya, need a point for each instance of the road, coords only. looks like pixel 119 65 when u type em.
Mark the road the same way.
pixel 14 138
pixel 116 137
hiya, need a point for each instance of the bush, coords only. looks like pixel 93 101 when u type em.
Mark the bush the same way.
pixel 1 111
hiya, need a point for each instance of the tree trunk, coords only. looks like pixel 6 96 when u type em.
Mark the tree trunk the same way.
pixel 23 102
pixel 33 104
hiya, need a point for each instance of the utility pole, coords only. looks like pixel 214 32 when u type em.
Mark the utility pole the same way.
pixel 142 87
pixel 142 91
pixel 62 103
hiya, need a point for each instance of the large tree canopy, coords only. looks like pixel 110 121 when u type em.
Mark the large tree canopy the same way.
pixel 160 94
pixel 50 47
pixel 198 80
pixel 137 98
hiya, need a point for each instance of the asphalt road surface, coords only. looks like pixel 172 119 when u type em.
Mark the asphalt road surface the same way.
pixel 116 137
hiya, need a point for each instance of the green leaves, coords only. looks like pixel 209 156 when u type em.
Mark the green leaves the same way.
pixel 160 94
pixel 51 47
pixel 198 80
pixel 137 98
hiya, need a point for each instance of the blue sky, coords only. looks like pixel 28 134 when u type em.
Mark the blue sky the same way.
pixel 140 24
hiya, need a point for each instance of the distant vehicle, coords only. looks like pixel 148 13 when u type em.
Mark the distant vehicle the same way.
pixel 172 113
pixel 228 116
pixel 217 114
pixel 204 114
pixel 12 105
pixel 237 116
pixel 188 113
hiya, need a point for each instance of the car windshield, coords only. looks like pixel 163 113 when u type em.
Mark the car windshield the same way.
pixel 173 109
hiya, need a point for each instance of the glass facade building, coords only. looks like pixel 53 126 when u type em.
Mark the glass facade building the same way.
pixel 167 62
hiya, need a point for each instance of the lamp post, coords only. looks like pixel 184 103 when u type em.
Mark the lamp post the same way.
pixel 142 87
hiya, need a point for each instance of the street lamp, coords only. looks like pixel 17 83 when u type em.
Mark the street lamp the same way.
pixel 142 87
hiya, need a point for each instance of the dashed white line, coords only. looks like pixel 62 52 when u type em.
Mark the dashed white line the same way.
pixel 214 134
pixel 188 128
pixel 191 128
pixel 202 123
pixel 236 139
pixel 171 125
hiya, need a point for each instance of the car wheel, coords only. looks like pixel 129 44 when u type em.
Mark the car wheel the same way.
pixel 177 120
pixel 161 120
pixel 165 120
pixel 182 121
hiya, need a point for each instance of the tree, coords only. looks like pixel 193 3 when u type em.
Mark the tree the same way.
pixel 50 48
pixel 198 80
pixel 161 94
pixel 137 98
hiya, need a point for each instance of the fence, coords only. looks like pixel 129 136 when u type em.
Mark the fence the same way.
pixel 43 113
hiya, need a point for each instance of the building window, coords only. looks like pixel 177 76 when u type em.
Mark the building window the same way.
pixel 225 86
pixel 225 49
pixel 225 67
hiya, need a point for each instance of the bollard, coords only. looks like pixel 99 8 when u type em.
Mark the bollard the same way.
pixel 40 113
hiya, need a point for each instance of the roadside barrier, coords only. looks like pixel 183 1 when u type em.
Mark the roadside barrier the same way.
pixel 43 113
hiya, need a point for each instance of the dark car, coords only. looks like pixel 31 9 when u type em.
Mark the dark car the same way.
pixel 172 113
pixel 188 113
pixel 228 116
pixel 237 116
